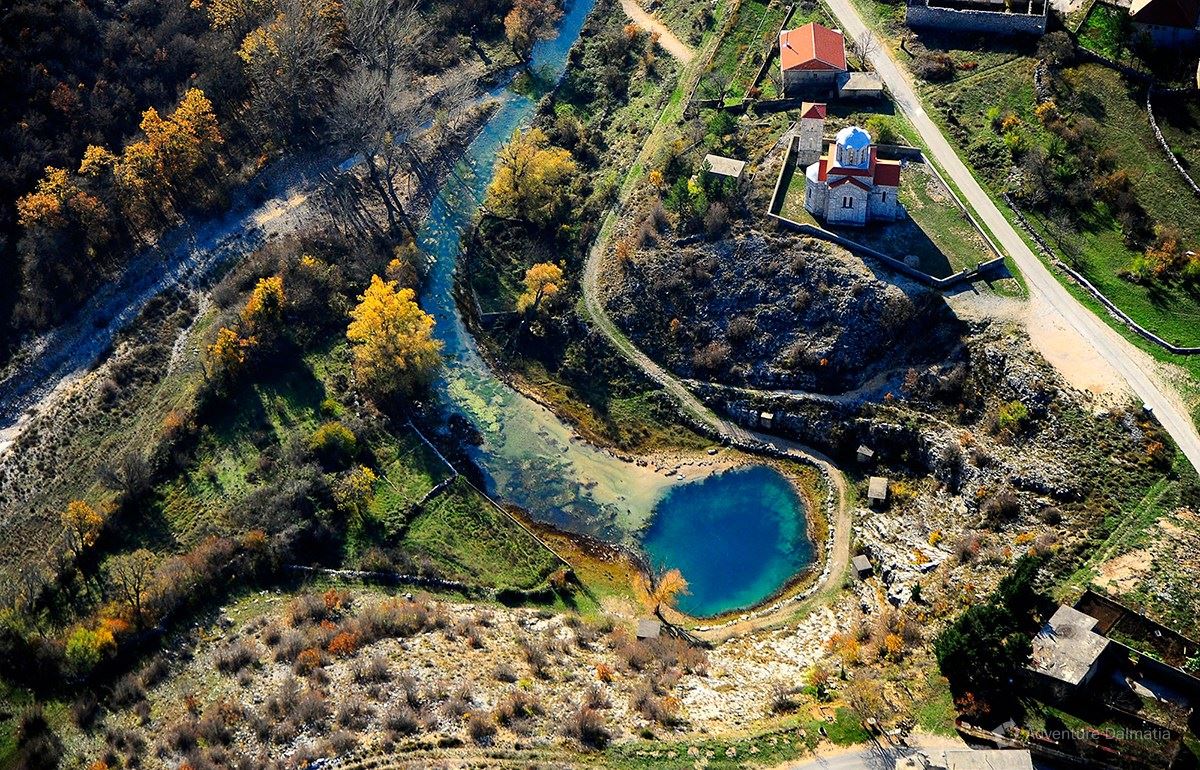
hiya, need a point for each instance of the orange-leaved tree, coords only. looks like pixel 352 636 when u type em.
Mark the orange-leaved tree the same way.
pixel 395 352
pixel 542 281
pixel 655 590
pixel 532 179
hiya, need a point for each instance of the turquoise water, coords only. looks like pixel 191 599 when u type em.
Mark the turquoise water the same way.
pixel 528 456
pixel 737 537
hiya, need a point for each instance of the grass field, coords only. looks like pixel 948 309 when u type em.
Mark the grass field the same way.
pixel 1094 242
pixel 471 541
pixel 742 49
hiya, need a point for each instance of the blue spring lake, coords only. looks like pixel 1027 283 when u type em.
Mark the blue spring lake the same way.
pixel 737 537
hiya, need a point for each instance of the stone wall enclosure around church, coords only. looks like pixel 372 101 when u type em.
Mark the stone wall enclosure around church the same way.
pixel 941 284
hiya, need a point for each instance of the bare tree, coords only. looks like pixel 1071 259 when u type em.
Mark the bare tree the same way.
pixel 129 474
pixel 131 576
pixel 384 34
pixel 864 46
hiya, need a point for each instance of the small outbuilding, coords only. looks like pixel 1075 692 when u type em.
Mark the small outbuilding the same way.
pixel 865 454
pixel 877 491
pixel 1067 652
pixel 862 566
pixel 722 166
pixel 859 85
pixel 766 419
pixel 648 628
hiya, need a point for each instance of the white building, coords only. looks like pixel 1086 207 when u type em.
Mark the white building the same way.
pixel 850 185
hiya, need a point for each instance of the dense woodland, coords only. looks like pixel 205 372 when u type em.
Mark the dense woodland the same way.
pixel 102 149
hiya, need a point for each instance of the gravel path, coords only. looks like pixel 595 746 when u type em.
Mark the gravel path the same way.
pixel 666 38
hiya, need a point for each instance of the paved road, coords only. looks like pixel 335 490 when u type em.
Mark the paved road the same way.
pixel 1133 366
pixel 666 38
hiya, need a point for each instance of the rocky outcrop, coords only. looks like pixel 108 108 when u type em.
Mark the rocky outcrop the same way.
pixel 776 311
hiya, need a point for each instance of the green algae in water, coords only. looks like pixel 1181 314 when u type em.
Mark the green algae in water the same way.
pixel 737 537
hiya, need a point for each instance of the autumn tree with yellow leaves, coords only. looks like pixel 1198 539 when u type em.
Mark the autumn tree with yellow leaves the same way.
pixel 83 524
pixel 532 179
pixel 227 355
pixel 542 281
pixel 655 590
pixel 263 315
pixel 395 353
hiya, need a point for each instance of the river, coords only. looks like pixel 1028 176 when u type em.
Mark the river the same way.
pixel 531 458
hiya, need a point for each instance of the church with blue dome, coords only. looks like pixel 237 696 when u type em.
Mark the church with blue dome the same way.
pixel 850 184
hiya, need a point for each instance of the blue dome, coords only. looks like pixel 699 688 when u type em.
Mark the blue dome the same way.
pixel 854 138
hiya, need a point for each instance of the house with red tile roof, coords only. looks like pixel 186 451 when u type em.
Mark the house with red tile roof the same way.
pixel 812 56
pixel 851 184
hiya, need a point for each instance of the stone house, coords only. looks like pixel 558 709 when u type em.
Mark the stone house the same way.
pixel 811 58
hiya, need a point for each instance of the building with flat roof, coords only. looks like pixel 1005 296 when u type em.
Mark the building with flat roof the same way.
pixel 1067 652
pixel 722 166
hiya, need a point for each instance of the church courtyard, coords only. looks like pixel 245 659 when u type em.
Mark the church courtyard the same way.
pixel 935 236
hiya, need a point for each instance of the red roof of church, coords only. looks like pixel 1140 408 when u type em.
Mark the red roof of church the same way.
pixel 812 110
pixel 850 180
pixel 882 172
pixel 812 47
pixel 887 173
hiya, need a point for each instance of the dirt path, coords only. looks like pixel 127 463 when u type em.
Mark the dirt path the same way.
pixel 838 558
pixel 666 38
pixel 1092 343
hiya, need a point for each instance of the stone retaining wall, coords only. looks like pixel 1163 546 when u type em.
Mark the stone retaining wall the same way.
pixel 921 15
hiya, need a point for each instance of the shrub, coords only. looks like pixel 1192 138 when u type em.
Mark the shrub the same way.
pixel 712 358
pixel 334 444
pixel 459 702
pixel 308 661
pixel 84 711
pixel 343 645
pixel 536 656
pixel 1012 417
pixel 376 669
pixel 311 708
pixel 716 220
pixel 306 609
pixel 155 671
pixel 342 742
pixel 402 719
pixel 1002 506
pixel 126 692
pixel 595 697
pixel 519 705
pixel 588 728
pixel 353 713
pixel 283 703
pixel 503 672
pixel 784 698
pixel 480 727
pixel 235 656
pixel 290 645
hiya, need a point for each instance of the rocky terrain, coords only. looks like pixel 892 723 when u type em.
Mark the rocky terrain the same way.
pixel 279 677
pixel 772 310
